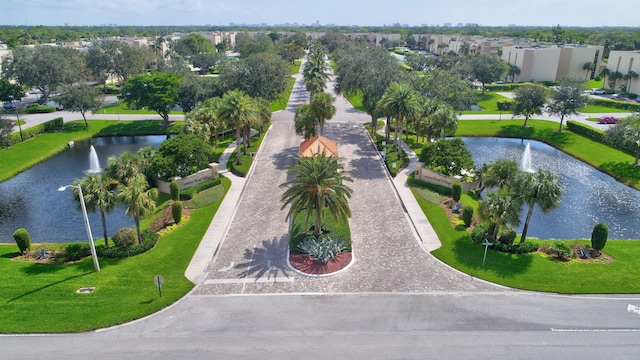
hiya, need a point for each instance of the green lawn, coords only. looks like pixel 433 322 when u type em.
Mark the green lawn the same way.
pixel 489 103
pixel 121 108
pixel 355 100
pixel 39 298
pixel 536 271
pixel 280 103
pixel 24 155
pixel 592 109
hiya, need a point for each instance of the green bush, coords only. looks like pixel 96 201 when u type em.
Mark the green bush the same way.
pixel 149 240
pixel 482 232
pixel 187 194
pixel 560 249
pixel 176 211
pixel 508 236
pixel 504 105
pixel 53 125
pixel 125 237
pixel 174 189
pixel 76 251
pixel 38 109
pixel 599 236
pixel 467 215
pixel 456 191
pixel 23 239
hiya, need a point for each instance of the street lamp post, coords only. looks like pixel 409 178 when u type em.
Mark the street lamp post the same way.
pixel 96 265
pixel 15 108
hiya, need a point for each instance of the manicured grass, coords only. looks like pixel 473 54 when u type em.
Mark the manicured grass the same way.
pixel 355 100
pixel 122 108
pixel 280 103
pixel 489 103
pixel 614 162
pixel 39 298
pixel 594 84
pixel 246 160
pixel 295 68
pixel 24 155
pixel 592 109
pixel 536 271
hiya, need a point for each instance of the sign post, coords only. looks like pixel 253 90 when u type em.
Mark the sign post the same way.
pixel 159 280
pixel 486 246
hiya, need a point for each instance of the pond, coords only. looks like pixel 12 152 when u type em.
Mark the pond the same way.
pixel 30 200
pixel 590 196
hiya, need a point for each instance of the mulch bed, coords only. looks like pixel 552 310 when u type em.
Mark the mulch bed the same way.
pixel 308 266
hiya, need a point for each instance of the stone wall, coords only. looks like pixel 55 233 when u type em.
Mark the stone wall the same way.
pixel 434 177
pixel 191 180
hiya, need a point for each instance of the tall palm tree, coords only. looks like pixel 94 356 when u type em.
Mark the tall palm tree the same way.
pixel 123 167
pixel 603 74
pixel 399 102
pixel 513 71
pixel 540 188
pixel 322 109
pixel 500 173
pixel 98 193
pixel 588 67
pixel 239 109
pixel 630 76
pixel 304 122
pixel 318 189
pixel 443 119
pixel 500 207
pixel 204 120
pixel 139 198
pixel 613 79
pixel 316 70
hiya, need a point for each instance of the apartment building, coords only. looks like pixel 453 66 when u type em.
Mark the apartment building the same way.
pixel 627 63
pixel 552 63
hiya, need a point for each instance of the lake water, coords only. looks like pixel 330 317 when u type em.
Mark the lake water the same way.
pixel 31 199
pixel 590 196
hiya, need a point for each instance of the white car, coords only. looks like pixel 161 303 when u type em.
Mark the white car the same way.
pixel 598 91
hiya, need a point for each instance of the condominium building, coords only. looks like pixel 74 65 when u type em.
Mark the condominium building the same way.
pixel 627 64
pixel 552 63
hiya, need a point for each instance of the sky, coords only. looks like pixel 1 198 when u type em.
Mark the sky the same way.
pixel 584 13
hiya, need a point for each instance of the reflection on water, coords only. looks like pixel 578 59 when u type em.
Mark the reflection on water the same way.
pixel 590 196
pixel 31 200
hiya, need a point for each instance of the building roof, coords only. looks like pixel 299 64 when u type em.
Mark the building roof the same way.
pixel 318 145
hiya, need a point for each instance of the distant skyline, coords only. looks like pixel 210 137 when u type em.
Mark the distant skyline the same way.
pixel 583 13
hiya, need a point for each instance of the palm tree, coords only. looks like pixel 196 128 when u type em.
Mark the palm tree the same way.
pixel 630 76
pixel 316 70
pixel 239 109
pixel 613 78
pixel 500 173
pixel 322 109
pixel 98 194
pixel 442 120
pixel 400 102
pixel 588 67
pixel 304 122
pixel 317 189
pixel 204 120
pixel 500 207
pixel 139 198
pixel 603 74
pixel 123 167
pixel 540 188
pixel 513 71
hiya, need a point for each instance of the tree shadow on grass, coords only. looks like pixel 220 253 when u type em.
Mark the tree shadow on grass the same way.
pixel 48 285
pixel 143 127
pixel 470 254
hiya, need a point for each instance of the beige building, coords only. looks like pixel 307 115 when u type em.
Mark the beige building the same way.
pixel 626 63
pixel 552 63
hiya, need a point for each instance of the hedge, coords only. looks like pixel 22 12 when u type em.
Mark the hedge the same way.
pixel 38 109
pixel 598 135
pixel 28 133
pixel 149 240
pixel 624 105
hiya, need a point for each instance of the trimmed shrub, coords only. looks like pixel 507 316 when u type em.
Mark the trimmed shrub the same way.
pixel 187 194
pixel 38 109
pixel 76 251
pixel 482 232
pixel 560 249
pixel 508 236
pixel 467 215
pixel 125 237
pixel 624 105
pixel 23 239
pixel 599 236
pixel 174 189
pixel 53 125
pixel 456 191
pixel 149 240
pixel 176 211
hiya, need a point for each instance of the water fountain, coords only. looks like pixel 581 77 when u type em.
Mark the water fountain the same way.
pixel 525 164
pixel 94 162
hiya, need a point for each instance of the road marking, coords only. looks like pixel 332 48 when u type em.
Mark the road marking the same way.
pixel 595 330
pixel 633 309
pixel 227 268
pixel 248 281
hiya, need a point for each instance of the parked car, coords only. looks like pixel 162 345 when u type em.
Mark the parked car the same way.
pixel 8 105
pixel 598 91
pixel 608 120
pixel 621 97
